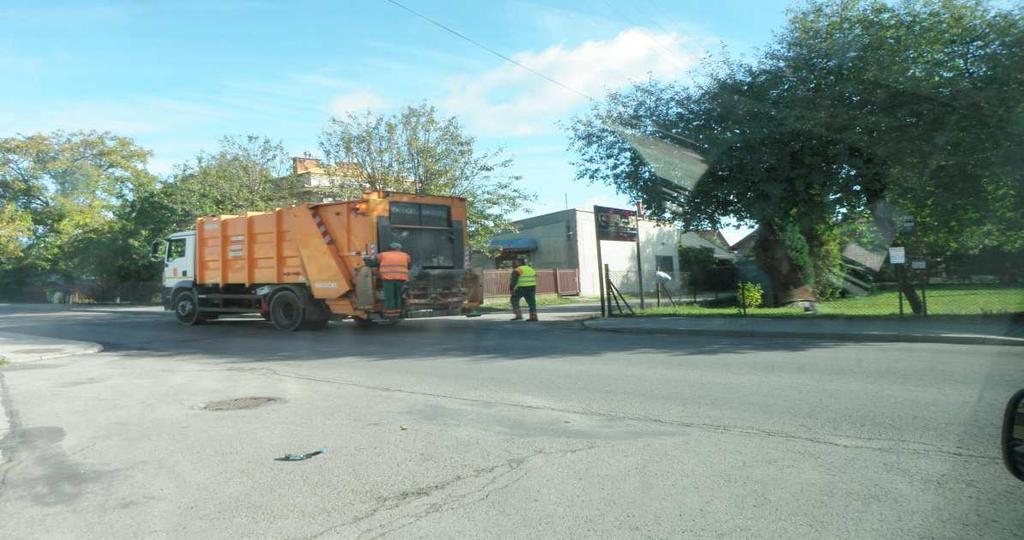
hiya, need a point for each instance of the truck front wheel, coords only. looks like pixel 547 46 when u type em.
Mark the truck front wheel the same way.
pixel 286 311
pixel 186 308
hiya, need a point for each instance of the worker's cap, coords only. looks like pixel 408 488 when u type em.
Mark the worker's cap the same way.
pixel 395 245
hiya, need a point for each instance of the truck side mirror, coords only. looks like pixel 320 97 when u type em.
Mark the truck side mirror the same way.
pixel 157 250
pixel 1013 435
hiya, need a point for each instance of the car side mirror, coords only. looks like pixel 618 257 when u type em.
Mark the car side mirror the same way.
pixel 157 250
pixel 1013 435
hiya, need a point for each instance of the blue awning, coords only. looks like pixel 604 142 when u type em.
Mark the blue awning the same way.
pixel 513 245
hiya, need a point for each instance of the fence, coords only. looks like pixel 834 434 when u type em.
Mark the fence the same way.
pixel 562 281
pixel 718 294
pixel 135 292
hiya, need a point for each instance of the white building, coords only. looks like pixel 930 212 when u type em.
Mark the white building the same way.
pixel 567 240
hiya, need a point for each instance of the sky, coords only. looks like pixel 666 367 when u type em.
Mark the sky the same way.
pixel 177 76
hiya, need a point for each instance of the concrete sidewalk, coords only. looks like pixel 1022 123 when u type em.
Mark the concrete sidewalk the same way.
pixel 934 330
pixel 17 348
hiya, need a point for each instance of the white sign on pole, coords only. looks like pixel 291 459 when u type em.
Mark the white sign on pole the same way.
pixel 918 265
pixel 897 255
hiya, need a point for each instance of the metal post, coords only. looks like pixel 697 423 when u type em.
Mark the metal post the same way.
pixel 600 267
pixel 557 292
pixel 924 299
pixel 899 291
pixel 639 266
pixel 657 291
pixel 743 300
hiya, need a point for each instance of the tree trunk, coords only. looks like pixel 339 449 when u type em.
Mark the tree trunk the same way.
pixel 787 283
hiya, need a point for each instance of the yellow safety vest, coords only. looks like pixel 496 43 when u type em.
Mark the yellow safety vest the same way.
pixel 527 276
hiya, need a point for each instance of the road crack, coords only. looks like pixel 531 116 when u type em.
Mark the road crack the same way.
pixel 8 441
pixel 460 490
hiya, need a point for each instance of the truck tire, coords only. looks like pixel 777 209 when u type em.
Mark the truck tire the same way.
pixel 186 308
pixel 286 311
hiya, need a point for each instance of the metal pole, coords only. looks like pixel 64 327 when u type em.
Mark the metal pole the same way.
pixel 600 266
pixel 743 300
pixel 639 266
pixel 899 291
pixel 924 298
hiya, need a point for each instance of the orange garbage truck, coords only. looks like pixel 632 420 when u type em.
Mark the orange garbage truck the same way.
pixel 301 266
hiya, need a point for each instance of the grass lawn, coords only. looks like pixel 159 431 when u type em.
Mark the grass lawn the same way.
pixel 942 300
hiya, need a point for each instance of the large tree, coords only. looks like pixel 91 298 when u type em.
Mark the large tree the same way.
pixel 61 192
pixel 857 110
pixel 247 173
pixel 416 150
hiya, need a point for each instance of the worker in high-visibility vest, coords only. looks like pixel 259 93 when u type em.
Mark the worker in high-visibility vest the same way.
pixel 394 272
pixel 523 285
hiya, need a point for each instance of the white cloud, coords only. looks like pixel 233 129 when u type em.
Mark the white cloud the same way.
pixel 509 100
pixel 356 101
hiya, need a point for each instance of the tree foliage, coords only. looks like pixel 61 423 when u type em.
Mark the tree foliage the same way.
pixel 415 150
pixel 857 108
pixel 61 194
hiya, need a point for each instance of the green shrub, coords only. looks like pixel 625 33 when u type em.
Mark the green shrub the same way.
pixel 749 294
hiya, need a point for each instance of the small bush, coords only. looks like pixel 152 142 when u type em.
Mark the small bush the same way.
pixel 749 294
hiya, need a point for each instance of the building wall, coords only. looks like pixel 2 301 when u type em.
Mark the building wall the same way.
pixel 587 249
pixel 554 234
pixel 566 239
pixel 655 240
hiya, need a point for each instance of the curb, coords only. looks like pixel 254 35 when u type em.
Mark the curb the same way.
pixel 861 337
pixel 80 347
pixel 90 349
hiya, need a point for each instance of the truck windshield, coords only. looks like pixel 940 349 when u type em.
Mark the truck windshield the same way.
pixel 175 248
pixel 426 233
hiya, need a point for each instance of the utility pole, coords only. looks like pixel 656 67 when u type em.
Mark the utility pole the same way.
pixel 639 266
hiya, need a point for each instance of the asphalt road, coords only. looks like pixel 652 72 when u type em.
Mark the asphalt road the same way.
pixel 480 428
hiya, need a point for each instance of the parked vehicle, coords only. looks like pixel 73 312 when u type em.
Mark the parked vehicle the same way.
pixel 301 266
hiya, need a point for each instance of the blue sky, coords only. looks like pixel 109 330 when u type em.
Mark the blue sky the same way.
pixel 176 76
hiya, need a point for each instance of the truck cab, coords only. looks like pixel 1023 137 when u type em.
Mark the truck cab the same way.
pixel 178 254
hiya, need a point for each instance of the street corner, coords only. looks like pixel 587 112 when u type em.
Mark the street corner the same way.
pixel 20 348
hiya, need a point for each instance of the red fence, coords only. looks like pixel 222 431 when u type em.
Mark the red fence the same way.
pixel 565 282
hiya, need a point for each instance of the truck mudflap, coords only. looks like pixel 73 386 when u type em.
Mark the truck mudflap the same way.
pixel 435 290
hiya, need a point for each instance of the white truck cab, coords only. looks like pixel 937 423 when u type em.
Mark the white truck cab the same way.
pixel 178 253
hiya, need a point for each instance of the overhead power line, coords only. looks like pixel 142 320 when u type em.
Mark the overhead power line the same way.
pixel 455 32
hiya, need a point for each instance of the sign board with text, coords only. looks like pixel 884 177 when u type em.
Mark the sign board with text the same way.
pixel 615 224
pixel 897 255
pixel 918 265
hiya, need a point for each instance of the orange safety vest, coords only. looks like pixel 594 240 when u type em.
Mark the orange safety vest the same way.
pixel 394 265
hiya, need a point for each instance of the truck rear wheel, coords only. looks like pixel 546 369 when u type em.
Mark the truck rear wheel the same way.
pixel 286 311
pixel 186 308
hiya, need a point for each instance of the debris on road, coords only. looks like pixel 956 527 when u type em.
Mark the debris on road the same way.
pixel 300 457
pixel 237 404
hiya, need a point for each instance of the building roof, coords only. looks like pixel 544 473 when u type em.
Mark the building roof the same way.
pixel 695 239
pixel 743 246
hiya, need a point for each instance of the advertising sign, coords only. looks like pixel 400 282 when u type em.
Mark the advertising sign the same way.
pixel 897 255
pixel 615 224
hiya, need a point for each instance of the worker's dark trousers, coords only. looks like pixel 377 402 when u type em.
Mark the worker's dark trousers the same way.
pixel 528 293
pixel 393 294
